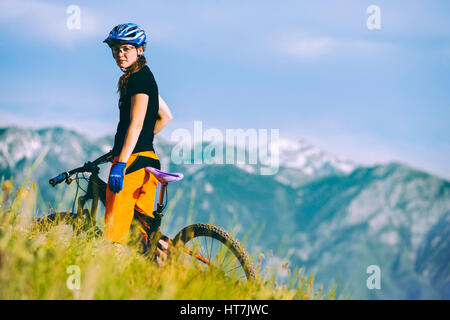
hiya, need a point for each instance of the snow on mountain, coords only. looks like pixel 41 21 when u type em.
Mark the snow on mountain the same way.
pixel 295 162
pixel 300 162
pixel 16 145
pixel 309 159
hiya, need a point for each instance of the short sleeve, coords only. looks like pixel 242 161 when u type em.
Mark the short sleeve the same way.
pixel 139 82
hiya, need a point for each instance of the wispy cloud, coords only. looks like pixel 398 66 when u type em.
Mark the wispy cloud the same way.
pixel 46 22
pixel 304 45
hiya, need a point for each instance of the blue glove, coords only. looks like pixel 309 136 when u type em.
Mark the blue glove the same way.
pixel 116 177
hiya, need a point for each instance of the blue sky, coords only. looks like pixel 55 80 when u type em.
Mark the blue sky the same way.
pixel 310 68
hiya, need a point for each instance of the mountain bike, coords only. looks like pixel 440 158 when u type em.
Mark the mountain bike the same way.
pixel 207 244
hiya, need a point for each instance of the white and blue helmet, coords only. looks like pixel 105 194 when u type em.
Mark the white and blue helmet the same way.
pixel 126 33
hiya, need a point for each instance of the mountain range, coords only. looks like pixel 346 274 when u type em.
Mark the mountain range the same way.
pixel 320 211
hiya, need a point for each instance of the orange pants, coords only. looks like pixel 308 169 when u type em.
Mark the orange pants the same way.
pixel 139 189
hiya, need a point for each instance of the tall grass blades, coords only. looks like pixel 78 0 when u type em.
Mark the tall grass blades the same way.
pixel 56 261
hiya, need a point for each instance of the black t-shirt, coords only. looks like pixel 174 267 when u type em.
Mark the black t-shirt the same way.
pixel 141 81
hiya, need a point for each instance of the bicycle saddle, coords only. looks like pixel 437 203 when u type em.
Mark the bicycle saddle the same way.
pixel 165 177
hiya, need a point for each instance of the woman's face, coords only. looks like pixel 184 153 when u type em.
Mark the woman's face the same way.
pixel 126 54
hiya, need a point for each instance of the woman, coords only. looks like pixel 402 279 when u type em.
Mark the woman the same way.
pixel 143 113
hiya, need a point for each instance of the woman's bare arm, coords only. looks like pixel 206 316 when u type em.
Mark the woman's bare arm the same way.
pixel 138 109
pixel 165 116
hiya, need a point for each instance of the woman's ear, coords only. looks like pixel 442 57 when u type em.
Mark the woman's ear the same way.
pixel 140 50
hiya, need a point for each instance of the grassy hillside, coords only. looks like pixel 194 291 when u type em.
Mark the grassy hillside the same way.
pixel 37 263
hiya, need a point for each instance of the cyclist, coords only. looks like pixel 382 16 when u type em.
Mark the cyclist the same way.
pixel 143 113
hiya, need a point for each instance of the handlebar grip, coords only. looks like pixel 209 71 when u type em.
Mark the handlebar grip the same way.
pixel 54 181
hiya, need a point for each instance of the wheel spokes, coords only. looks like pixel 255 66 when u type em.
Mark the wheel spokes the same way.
pixel 220 256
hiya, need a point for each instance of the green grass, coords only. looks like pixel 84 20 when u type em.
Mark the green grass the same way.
pixel 36 262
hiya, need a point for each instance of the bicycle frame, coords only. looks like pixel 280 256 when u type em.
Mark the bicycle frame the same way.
pixel 97 191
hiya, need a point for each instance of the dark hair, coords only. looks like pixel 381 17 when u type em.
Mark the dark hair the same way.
pixel 135 67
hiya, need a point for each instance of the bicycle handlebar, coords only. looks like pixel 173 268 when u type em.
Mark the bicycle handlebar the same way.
pixel 87 167
pixel 58 179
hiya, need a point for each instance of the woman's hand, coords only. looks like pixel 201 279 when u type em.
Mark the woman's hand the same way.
pixel 165 116
pixel 115 182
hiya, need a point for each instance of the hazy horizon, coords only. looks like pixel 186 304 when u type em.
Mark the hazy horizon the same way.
pixel 167 138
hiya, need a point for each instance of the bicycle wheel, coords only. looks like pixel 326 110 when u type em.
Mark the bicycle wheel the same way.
pixel 213 246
